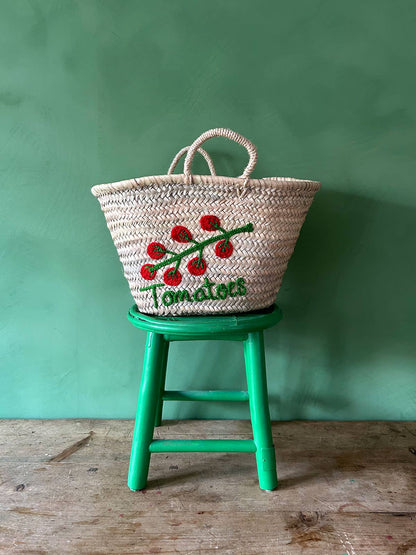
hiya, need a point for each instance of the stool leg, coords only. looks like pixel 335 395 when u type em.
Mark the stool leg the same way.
pixel 146 411
pixel 259 410
pixel 158 418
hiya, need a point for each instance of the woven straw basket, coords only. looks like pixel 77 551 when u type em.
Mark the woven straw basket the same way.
pixel 205 244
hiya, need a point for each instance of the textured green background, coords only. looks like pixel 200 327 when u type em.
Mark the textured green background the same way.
pixel 98 91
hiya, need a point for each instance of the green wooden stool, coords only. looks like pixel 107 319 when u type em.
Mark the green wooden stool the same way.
pixel 247 328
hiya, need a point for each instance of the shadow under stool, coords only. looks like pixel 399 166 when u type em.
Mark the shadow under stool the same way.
pixel 161 330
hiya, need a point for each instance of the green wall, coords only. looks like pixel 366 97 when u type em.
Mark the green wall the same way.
pixel 102 90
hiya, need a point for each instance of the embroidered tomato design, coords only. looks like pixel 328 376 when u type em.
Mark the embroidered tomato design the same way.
pixel 197 266
pixel 181 234
pixel 147 271
pixel 172 277
pixel 224 248
pixel 210 223
pixel 156 250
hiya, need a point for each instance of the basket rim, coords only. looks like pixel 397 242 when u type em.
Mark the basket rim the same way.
pixel 175 179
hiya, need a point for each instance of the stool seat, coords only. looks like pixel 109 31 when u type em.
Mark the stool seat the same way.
pixel 161 330
pixel 196 327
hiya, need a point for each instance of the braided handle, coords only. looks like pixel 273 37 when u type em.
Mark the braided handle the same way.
pixel 182 152
pixel 229 134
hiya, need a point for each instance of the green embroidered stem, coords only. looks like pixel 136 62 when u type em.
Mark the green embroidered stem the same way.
pixel 223 231
pixel 219 227
pixel 200 246
pixel 163 250
pixel 199 261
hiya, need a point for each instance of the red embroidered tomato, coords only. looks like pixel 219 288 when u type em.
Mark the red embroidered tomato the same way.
pixel 197 266
pixel 210 223
pixel 224 249
pixel 172 277
pixel 181 234
pixel 156 250
pixel 147 272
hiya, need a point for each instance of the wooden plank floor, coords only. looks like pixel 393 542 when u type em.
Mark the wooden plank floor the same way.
pixel 344 488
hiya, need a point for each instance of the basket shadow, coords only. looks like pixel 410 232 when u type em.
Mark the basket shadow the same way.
pixel 348 300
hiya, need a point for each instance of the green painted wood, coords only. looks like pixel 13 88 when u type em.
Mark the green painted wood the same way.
pixel 206 327
pixel 259 410
pixel 165 354
pixel 94 92
pixel 211 337
pixel 147 408
pixel 152 390
pixel 203 445
pixel 217 395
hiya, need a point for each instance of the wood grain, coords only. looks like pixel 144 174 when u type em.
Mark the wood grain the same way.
pixel 345 487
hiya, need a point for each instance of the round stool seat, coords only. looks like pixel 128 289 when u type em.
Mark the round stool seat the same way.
pixel 212 325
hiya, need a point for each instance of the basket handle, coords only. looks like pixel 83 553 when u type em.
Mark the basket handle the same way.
pixel 182 152
pixel 229 134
